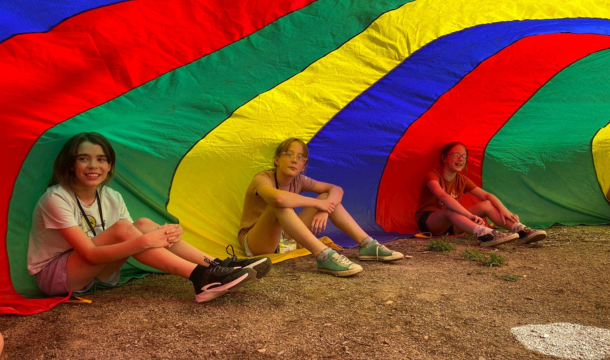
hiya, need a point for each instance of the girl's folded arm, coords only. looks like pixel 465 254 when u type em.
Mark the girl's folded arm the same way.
pixel 484 195
pixel 285 199
pixel 335 193
pixel 103 254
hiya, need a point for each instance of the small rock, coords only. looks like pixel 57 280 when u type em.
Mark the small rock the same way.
pixel 215 352
pixel 345 348
pixel 386 341
pixel 145 320
pixel 397 327
pixel 262 351
pixel 327 324
pixel 389 302
pixel 426 337
pixel 529 298
pixel 178 325
pixel 545 335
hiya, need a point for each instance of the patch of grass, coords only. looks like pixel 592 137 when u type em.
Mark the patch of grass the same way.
pixel 489 259
pixel 440 246
pixel 511 277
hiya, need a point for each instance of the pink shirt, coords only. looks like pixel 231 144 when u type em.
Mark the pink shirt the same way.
pixel 254 204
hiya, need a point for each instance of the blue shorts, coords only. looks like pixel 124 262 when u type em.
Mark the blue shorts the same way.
pixel 52 278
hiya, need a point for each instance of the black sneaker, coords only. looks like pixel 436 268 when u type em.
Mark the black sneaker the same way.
pixel 262 265
pixel 497 238
pixel 528 235
pixel 215 281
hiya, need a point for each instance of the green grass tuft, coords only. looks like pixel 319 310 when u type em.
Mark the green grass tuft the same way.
pixel 440 246
pixel 489 259
pixel 511 277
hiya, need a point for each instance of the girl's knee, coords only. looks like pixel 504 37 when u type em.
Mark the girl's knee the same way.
pixel 486 205
pixel 124 230
pixel 144 223
pixel 322 196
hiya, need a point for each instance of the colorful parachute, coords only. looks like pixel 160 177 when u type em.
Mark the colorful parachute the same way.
pixel 196 94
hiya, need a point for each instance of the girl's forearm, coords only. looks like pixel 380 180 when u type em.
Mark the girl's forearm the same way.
pixel 496 202
pixel 455 206
pixel 335 195
pixel 109 253
pixel 290 200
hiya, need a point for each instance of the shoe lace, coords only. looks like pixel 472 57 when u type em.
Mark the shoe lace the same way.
pixel 382 247
pixel 341 260
pixel 232 253
pixel 215 267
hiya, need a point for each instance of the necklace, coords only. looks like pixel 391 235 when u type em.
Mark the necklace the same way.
pixel 99 207
pixel 277 185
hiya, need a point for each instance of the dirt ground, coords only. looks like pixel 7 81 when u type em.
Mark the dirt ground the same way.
pixel 433 306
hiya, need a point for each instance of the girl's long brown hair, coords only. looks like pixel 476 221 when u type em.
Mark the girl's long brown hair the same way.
pixel 62 167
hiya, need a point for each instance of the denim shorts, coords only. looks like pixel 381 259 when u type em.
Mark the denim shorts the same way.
pixel 52 278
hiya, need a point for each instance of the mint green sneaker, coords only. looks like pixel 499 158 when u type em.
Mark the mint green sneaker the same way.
pixel 375 251
pixel 337 265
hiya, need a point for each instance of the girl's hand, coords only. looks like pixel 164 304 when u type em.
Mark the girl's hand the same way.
pixel 477 220
pixel 158 239
pixel 326 206
pixel 173 231
pixel 318 224
pixel 507 215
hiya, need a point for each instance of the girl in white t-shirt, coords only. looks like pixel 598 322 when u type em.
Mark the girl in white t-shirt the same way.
pixel 269 207
pixel 82 232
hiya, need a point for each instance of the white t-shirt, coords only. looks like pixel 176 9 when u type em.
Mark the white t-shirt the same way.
pixel 57 209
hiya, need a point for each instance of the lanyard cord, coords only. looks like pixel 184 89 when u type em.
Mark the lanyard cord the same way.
pixel 99 207
pixel 277 185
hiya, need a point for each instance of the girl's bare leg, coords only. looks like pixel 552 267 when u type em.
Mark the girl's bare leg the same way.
pixel 80 272
pixel 181 248
pixel 340 218
pixel 440 220
pixel 264 237
pixel 486 209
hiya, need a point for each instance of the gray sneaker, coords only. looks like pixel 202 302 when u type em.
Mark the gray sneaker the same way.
pixel 528 236
pixel 497 238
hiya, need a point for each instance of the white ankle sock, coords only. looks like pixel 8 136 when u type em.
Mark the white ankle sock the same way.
pixel 517 227
pixel 324 253
pixel 366 241
pixel 481 230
